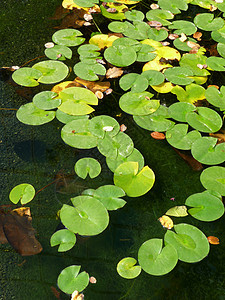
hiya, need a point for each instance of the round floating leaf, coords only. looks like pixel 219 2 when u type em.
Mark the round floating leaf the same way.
pixel 145 53
pixel 76 134
pixel 86 3
pixel 117 15
pixel 179 138
pixel 157 35
pixel 117 26
pixel 68 37
pixel 87 165
pixel 177 211
pixel 165 87
pixel 134 156
pixel 69 280
pixel 120 144
pixel 99 125
pixel 135 81
pixel 24 193
pixel 204 119
pixel 26 76
pixel 59 52
pixel 178 110
pixel 46 100
pixel 174 7
pixel 160 15
pixel 216 97
pixel 155 259
pixel 191 61
pixel 218 35
pixel 88 51
pixel 221 49
pixel 126 268
pixel 213 178
pixel 190 242
pixel 139 30
pixel 183 46
pixel 88 216
pixel 120 56
pixel 64 238
pixel 133 183
pixel 134 15
pixel 154 77
pixel 179 75
pixel 31 115
pixel 126 42
pixel 181 26
pixel 207 22
pixel 109 196
pixel 216 63
pixel 206 206
pixel 102 40
pixel 191 93
pixel 89 71
pixel 207 152
pixel 65 118
pixel 52 71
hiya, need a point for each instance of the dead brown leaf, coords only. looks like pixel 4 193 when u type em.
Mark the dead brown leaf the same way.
pixel 213 240
pixel 197 35
pixel 114 72
pixel 158 135
pixel 193 163
pixel 220 137
pixel 60 13
pixel 74 19
pixel 93 86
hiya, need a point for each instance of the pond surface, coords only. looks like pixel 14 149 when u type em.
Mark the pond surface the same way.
pixel 35 154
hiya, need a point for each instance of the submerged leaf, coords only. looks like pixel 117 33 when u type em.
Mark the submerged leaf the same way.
pixel 166 222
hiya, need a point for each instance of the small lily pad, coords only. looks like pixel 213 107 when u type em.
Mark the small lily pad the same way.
pixel 145 53
pixel 179 110
pixel 191 61
pixel 177 211
pixel 134 15
pixel 126 268
pixel 181 26
pixel 87 165
pixel 191 93
pixel 138 30
pixel 157 35
pixel 216 97
pixel 68 37
pixel 46 100
pixel 207 22
pixel 154 77
pixel 27 76
pixel 174 7
pixel 59 52
pixel 88 51
pixel 160 15
pixel 120 56
pixel 65 118
pixel 89 71
pixel 65 238
pixel 23 192
pixel 213 178
pixel 117 26
pixel 135 81
pixel 218 35
pixel 102 124
pixel 118 11
pixel 179 75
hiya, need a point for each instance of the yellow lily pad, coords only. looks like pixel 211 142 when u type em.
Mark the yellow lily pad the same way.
pixel 166 222
pixel 199 79
pixel 127 1
pixel 103 40
pixel 153 43
pixel 163 88
pixel 61 86
pixel 168 53
pixel 69 4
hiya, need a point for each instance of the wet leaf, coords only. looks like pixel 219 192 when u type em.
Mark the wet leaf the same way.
pixel 114 72
pixel 64 238
pixel 158 135
pixel 177 211
pixel 87 166
pixel 166 222
pixel 213 240
pixel 127 268
pixel 23 192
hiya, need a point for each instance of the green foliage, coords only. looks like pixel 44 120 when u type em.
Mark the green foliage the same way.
pixel 127 269
pixel 87 165
pixel 68 37
pixel 65 238
pixel 46 100
pixel 213 178
pixel 23 192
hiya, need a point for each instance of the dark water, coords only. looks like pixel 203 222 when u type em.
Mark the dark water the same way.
pixel 36 154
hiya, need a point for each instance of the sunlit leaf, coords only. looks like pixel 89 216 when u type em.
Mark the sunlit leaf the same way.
pixel 23 192
pixel 177 211
pixel 127 268
pixel 166 222
pixel 213 178
pixel 87 166
pixel 64 238
pixel 68 37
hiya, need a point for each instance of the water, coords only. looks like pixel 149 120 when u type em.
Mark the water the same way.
pixel 36 154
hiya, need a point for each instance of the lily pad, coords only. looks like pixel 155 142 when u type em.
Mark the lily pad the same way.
pixel 179 75
pixel 88 51
pixel 213 178
pixel 157 35
pixel 174 7
pixel 26 76
pixel 190 242
pixel 70 279
pixel 138 30
pixel 183 46
pixel 177 211
pixel 102 124
pixel 160 15
pixel 68 37
pixel 207 22
pixel 86 3
pixel 23 192
pixel 145 53
pixel 191 61
pixel 221 49
pixel 216 97
pixel 88 216
pixel 191 93
pixel 218 35
pixel 46 100
pixel 135 81
pixel 216 63
pixel 155 259
pixel 31 115
pixel 117 26
pixel 103 40
pixel 89 71
pixel 59 52
pixel 179 110
pixel 65 238
pixel 65 118
pixel 181 26
pixel 154 77
pixel 87 165
pixel 206 206
pixel 133 183
pixel 126 268
pixel 120 56
pixel 118 14
pixel 134 15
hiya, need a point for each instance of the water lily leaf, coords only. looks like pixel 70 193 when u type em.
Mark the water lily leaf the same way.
pixel 76 134
pixel 88 51
pixel 31 115
pixel 138 30
pixel 174 7
pixel 117 12
pixel 134 156
pixel 89 71
pixel 145 53
pixel 179 75
pixel 138 103
pixel 164 87
pixel 156 121
pixel 126 268
pixel 207 22
pixel 183 46
pixel 166 222
pixel 120 56
pixel 191 93
pixel 155 259
pixel 125 41
pixel 86 3
pixel 135 81
pixel 26 76
pixel 52 71
pixel 179 138
pixel 109 196
pixel 204 119
pixel 70 279
pixel 46 100
pixel 68 37
pixel 88 216
pixel 218 35
pixel 190 242
pixel 192 61
pixel 133 183
pixel 65 238
pixel 157 35
pixel 177 211
pixel 154 77
pixel 99 125
pixel 206 206
pixel 216 63
pixel 160 15
pixel 181 26
pixel 179 110
pixel 113 146
pixel 102 40
pixel 134 15
pixel 221 49
pixel 24 193
pixel 59 52
pixel 213 178
pixel 216 97
pixel 207 152
pixel 204 3
pixel 87 165
pixel 65 118
pixel 117 26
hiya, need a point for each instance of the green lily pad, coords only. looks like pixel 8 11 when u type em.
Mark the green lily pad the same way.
pixel 157 35
pixel 23 192
pixel 179 75
pixel 88 216
pixel 183 46
pixel 216 63
pixel 117 26
pixel 126 268
pixel 102 124
pixel 120 144
pixel 59 52
pixel 216 97
pixel 120 56
pixel 181 26
pixel 160 15
pixel 207 152
pixel 31 115
pixel 65 238
pixel 174 6
pixel 87 165
pixel 134 156
pixel 88 51
pixel 133 183
pixel 70 280
pixel 46 100
pixel 154 77
pixel 89 71
pixel 138 103
pixel 68 37
pixel 207 22
pixel 177 211
pixel 190 242
pixel 206 206
pixel 76 134
pixel 117 15
pixel 145 53
pixel 155 259
pixel 26 76
pixel 52 71
pixel 138 30
pixel 219 35
pixel 135 81
pixel 191 61
pixel 221 49
pixel 213 178
pixel 204 119
pixel 191 93
pixel 207 4
pixel 179 110
pixel 124 41
pixel 86 3
pixel 179 138
pixel 65 118
pixel 134 15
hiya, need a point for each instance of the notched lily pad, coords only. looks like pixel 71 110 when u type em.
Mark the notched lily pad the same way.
pixel 103 124
pixel 179 75
pixel 65 238
pixel 68 37
pixel 87 165
pixel 120 56
pixel 127 268
pixel 213 178
pixel 27 76
pixel 59 52
pixel 23 192
pixel 216 97
pixel 46 100
pixel 207 22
